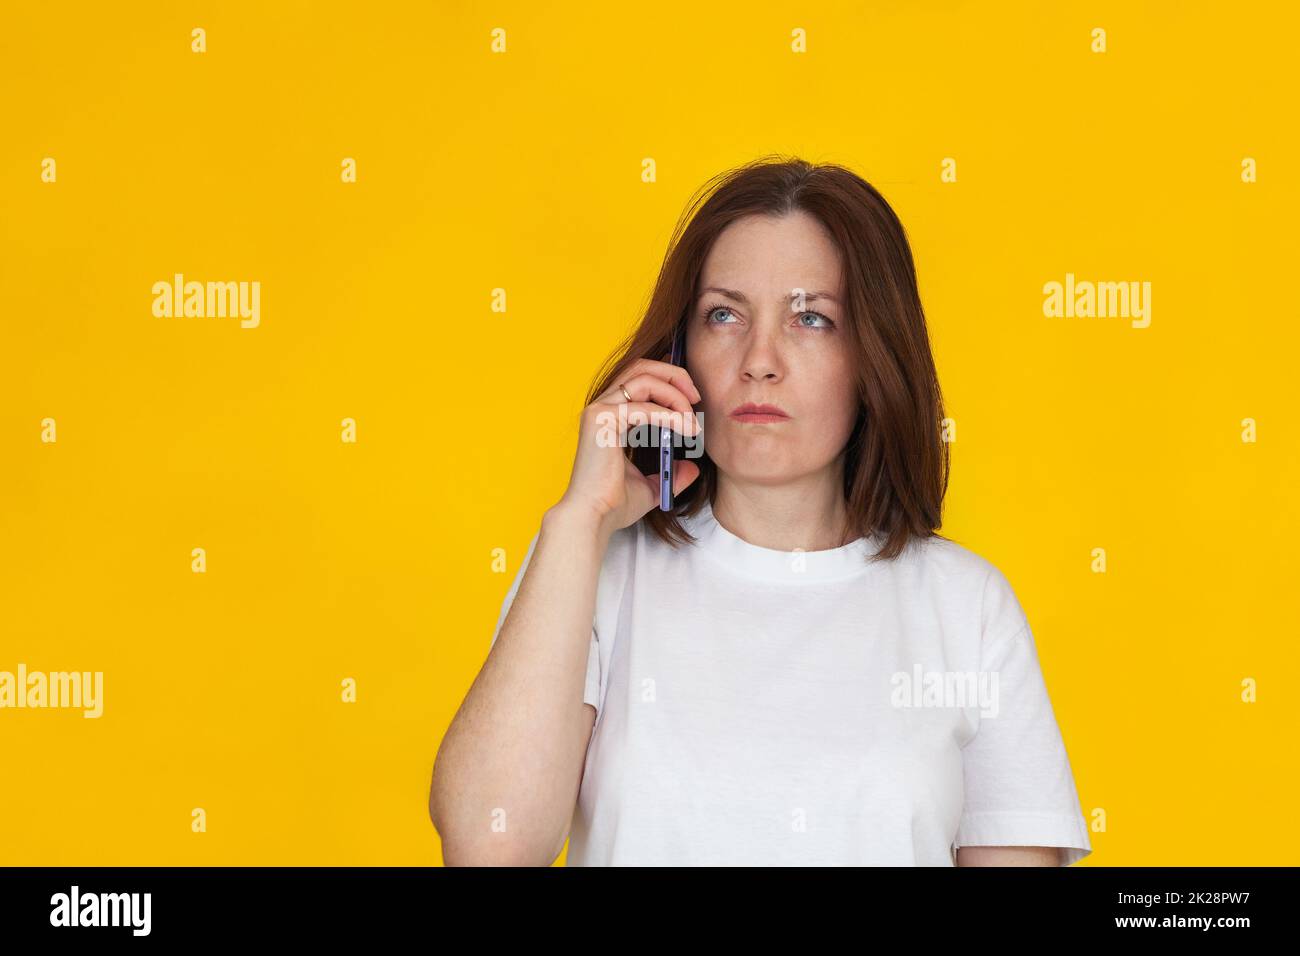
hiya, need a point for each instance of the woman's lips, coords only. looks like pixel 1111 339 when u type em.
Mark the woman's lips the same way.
pixel 758 414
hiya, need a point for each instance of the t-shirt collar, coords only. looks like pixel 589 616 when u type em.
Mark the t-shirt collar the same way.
pixel 777 567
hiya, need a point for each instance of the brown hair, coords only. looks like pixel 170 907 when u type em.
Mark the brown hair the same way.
pixel 896 462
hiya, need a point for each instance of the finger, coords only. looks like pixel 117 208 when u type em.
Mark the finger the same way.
pixel 642 490
pixel 684 472
pixel 675 374
pixel 649 413
pixel 647 387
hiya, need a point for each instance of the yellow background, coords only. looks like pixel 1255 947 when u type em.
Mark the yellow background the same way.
pixel 522 171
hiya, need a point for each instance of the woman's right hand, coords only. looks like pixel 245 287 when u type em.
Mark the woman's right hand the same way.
pixel 604 483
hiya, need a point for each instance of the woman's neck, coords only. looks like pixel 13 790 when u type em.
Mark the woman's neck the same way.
pixel 809 515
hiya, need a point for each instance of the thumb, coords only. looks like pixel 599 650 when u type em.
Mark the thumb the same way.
pixel 684 472
pixel 647 486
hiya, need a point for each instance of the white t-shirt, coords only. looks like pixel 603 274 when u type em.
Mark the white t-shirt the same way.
pixel 762 707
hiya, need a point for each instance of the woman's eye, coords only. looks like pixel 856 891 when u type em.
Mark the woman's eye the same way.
pixel 808 320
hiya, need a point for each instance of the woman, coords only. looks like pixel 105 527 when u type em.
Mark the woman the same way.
pixel 791 666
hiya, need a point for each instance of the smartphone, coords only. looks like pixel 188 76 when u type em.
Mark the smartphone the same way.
pixel 677 357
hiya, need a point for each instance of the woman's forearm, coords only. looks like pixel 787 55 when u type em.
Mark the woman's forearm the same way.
pixel 506 776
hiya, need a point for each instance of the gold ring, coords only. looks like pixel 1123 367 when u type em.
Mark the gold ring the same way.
pixel 625 394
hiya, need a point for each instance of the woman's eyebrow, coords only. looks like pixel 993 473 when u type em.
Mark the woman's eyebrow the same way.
pixel 744 299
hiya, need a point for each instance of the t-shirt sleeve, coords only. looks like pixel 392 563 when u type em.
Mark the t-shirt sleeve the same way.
pixel 591 690
pixel 1019 786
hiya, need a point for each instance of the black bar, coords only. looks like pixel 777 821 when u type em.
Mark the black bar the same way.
pixel 245 904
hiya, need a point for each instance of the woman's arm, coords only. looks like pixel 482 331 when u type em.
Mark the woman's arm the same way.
pixel 506 777
pixel 1008 856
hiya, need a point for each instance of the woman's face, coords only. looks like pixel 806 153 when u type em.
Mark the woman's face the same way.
pixel 752 338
